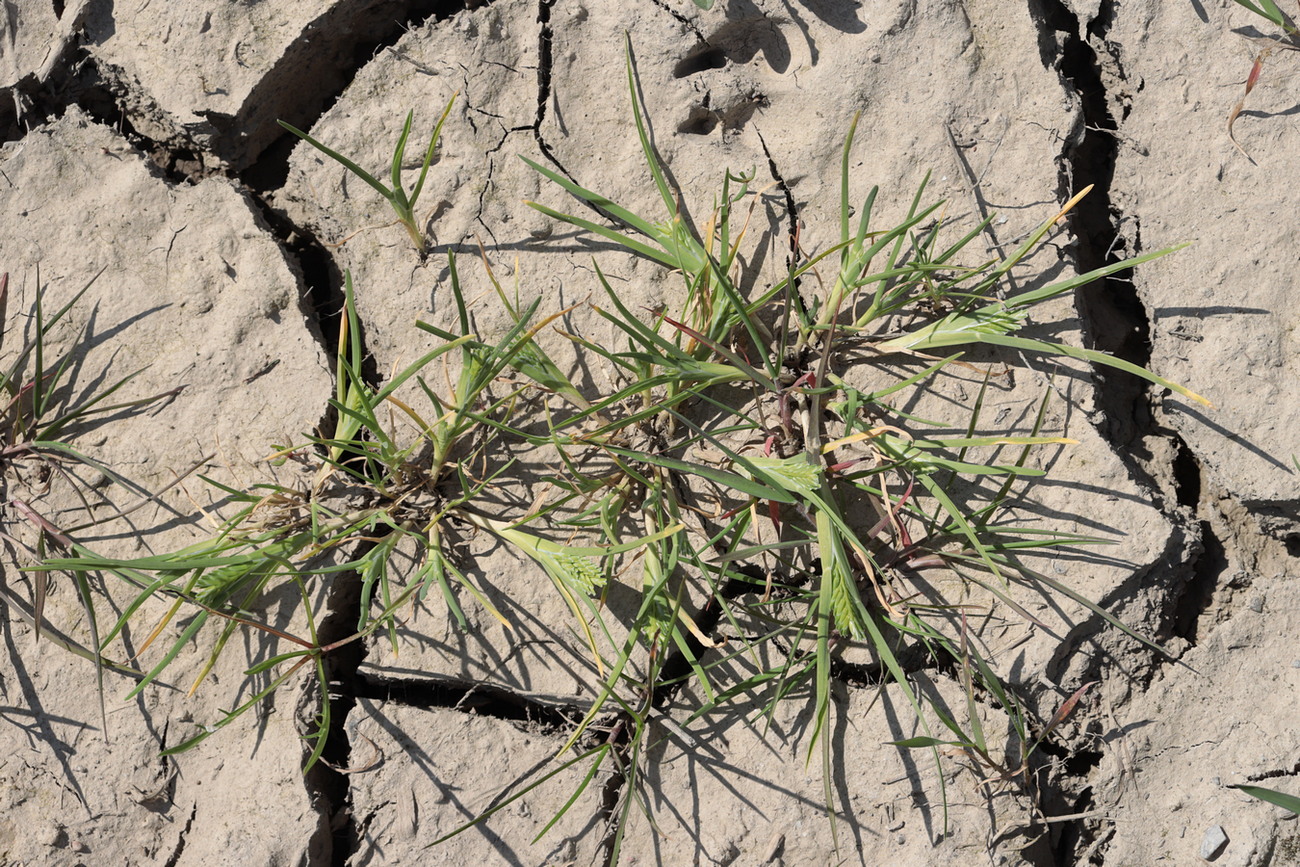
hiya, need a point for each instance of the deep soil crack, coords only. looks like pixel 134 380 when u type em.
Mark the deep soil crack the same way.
pixel 1197 595
pixel 482 699
pixel 86 85
pixel 354 34
pixel 1116 321
pixel 1113 315
pixel 545 63
pixel 1114 318
pixel 329 788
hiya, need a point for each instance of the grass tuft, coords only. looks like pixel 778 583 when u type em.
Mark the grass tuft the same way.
pixel 755 462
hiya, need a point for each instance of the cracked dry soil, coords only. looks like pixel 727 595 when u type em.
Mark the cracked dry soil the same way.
pixel 139 140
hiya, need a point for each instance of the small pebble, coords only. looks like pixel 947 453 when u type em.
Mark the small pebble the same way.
pixel 1256 604
pixel 1295 663
pixel 1213 842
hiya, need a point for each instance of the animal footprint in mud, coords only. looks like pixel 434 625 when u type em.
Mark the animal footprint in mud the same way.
pixel 732 114
pixel 727 101
pixel 700 61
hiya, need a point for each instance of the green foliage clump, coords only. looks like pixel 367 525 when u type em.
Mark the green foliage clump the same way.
pixel 740 465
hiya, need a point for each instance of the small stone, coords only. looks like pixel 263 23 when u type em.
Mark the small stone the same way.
pixel 1213 842
pixel 1256 604
pixel 1295 663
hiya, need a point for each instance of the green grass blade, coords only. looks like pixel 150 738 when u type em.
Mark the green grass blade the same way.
pixel 399 200
pixel 433 144
pixel 341 160
pixel 1272 796
pixel 601 202
pixel 1266 9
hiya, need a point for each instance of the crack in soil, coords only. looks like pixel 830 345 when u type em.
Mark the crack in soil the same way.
pixel 482 195
pixel 1113 315
pixel 356 36
pixel 614 790
pixel 791 209
pixel 1200 561
pixel 330 789
pixel 1114 318
pixel 681 19
pixel 104 99
pixel 1193 603
pixel 1293 771
pixel 1116 321
pixel 471 697
pixel 101 96
pixel 545 64
pixel 179 850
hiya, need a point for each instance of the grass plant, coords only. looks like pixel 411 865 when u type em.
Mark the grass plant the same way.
pixel 41 419
pixel 402 202
pixel 371 491
pixel 741 470
pixel 799 455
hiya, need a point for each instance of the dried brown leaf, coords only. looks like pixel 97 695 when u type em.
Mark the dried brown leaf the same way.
pixel 1067 708
pixel 1251 81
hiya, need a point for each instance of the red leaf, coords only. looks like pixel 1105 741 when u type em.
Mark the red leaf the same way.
pixel 1067 708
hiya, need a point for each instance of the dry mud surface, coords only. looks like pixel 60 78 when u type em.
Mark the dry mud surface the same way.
pixel 140 149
